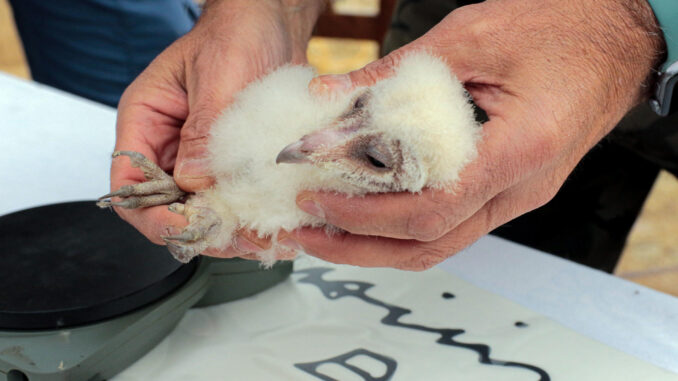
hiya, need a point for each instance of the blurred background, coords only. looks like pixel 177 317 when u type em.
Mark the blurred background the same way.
pixel 651 254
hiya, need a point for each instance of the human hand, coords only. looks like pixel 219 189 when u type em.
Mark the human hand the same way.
pixel 165 114
pixel 554 78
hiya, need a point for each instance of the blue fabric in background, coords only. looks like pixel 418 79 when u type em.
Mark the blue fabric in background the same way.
pixel 95 48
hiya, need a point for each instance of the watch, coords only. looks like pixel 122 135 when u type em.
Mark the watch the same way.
pixel 666 12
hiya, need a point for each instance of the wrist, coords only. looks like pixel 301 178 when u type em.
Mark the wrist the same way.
pixel 663 100
pixel 296 18
pixel 633 48
pixel 301 16
pixel 646 39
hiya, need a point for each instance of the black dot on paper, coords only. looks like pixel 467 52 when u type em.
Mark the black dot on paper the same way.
pixel 448 295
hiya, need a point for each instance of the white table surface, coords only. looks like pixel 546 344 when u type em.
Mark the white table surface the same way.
pixel 55 147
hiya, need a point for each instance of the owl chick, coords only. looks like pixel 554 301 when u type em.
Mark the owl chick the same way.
pixel 412 130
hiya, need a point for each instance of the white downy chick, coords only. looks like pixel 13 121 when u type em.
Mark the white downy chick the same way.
pixel 413 130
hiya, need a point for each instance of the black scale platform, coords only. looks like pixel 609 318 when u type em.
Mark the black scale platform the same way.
pixel 72 264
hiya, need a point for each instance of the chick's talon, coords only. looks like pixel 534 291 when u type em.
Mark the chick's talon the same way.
pixel 151 170
pixel 160 188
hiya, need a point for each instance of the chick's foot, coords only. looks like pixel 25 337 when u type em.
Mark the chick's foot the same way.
pixel 203 224
pixel 160 189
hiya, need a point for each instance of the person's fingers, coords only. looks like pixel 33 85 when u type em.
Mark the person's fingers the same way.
pixel 150 127
pixel 245 243
pixel 365 76
pixel 425 216
pixel 371 251
pixel 144 130
pixel 150 115
pixel 280 256
pixel 248 241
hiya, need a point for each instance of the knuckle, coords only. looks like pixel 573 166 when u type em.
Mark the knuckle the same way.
pixel 197 126
pixel 543 197
pixel 390 61
pixel 477 24
pixel 479 29
pixel 375 71
pixel 367 76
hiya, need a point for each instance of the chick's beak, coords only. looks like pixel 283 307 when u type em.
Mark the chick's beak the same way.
pixel 316 146
pixel 293 154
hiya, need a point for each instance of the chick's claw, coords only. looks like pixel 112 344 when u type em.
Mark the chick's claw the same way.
pixel 151 170
pixel 160 189
pixel 203 224
pixel 137 201
pixel 183 253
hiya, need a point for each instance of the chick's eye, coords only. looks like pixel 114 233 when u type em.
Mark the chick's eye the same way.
pixel 375 162
pixel 359 103
pixel 378 158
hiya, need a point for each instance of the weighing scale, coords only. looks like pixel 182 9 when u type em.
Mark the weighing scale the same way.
pixel 83 294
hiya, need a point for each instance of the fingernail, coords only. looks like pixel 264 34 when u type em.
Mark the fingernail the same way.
pixel 311 207
pixel 245 246
pixel 291 244
pixel 193 168
pixel 328 84
pixel 318 87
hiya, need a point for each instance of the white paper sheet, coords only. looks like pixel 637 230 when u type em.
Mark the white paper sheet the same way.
pixel 624 315
pixel 314 318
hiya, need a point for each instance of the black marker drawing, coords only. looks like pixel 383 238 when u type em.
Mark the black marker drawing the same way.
pixel 339 289
pixel 342 360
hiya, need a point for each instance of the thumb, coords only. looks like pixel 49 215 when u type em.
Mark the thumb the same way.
pixel 191 171
pixel 366 76
pixel 207 97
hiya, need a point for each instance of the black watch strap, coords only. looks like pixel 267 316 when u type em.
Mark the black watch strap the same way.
pixel 664 103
